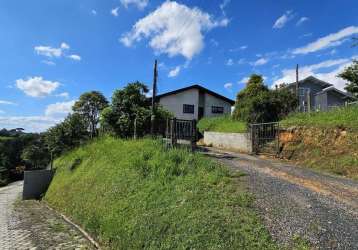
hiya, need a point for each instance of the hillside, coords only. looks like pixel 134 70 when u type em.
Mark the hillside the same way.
pixel 346 117
pixel 326 141
pixel 135 194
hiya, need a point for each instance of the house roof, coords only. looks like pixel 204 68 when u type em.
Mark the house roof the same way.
pixel 200 88
pixel 333 89
pixel 312 79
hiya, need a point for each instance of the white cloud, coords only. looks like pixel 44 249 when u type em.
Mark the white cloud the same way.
pixel 289 75
pixel 302 20
pixel 65 95
pixel 2 111
pixel 7 102
pixel 173 29
pixel 260 62
pixel 174 72
pixel 241 61
pixel 59 109
pixel 75 57
pixel 94 12
pixel 230 62
pixel 114 12
pixel 149 94
pixel 140 4
pixel 29 123
pixel 228 85
pixel 51 63
pixel 282 20
pixel 37 86
pixel 331 40
pixel 244 47
pixel 55 52
pixel 244 80
pixel 65 46
pixel 48 51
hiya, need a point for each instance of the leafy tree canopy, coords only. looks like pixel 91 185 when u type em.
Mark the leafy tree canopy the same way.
pixel 350 74
pixel 256 103
pixel 89 105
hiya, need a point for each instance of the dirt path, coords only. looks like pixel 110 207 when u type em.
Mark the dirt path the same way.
pixel 296 202
pixel 30 225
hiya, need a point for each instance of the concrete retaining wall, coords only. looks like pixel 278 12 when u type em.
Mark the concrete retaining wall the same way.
pixel 36 183
pixel 237 141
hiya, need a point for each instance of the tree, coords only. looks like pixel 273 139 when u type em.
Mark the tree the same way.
pixel 90 105
pixel 350 74
pixel 36 155
pixel 130 106
pixel 256 103
pixel 66 135
pixel 243 106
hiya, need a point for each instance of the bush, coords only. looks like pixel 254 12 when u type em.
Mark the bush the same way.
pixel 256 103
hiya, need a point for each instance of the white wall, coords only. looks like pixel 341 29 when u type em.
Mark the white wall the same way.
pixel 174 103
pixel 236 141
pixel 210 101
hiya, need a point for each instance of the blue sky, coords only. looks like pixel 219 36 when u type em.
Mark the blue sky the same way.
pixel 52 51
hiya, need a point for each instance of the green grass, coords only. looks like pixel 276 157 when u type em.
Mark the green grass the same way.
pixel 135 195
pixel 4 138
pixel 221 124
pixel 346 117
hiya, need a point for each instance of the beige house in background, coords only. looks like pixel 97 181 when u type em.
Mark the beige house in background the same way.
pixel 195 102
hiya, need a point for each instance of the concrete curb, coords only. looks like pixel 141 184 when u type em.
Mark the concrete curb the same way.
pixel 81 230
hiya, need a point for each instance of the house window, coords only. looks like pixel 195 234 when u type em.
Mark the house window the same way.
pixel 188 109
pixel 217 110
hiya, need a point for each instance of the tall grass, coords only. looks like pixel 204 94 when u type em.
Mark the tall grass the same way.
pixel 221 124
pixel 346 117
pixel 135 195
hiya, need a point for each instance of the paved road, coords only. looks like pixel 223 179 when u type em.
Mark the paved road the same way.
pixel 30 225
pixel 296 202
pixel 8 236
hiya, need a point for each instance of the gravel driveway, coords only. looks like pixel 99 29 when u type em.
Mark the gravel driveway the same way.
pixel 298 203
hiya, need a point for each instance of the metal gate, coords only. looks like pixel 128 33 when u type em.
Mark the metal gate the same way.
pixel 265 138
pixel 182 132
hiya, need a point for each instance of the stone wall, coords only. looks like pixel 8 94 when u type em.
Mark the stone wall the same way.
pixel 236 141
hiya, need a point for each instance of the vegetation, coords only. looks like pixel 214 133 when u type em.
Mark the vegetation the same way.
pixel 221 124
pixel 66 135
pixel 134 195
pixel 89 106
pixel 350 74
pixel 129 111
pixel 14 144
pixel 256 103
pixel 345 117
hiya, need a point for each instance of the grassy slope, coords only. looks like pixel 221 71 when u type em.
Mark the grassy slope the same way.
pixel 133 194
pixel 221 124
pixel 324 147
pixel 340 117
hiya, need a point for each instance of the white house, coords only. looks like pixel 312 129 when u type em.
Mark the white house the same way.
pixel 195 102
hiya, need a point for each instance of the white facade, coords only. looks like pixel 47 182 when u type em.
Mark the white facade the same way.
pixel 200 100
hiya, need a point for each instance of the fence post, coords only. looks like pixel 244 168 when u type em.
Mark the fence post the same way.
pixel 135 129
pixel 173 131
pixel 194 135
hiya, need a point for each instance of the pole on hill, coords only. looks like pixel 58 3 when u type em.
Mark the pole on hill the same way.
pixel 155 79
pixel 297 87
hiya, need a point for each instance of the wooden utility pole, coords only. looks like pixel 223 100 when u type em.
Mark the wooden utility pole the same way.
pixel 297 87
pixel 155 79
